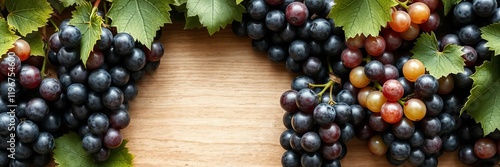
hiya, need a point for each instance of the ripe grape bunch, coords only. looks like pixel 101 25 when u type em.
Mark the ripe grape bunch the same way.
pixel 89 98
pixel 373 87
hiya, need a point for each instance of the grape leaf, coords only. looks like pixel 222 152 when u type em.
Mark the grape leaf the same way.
pixel 436 62
pixel 215 14
pixel 239 1
pixel 190 21
pixel 28 15
pixel 483 104
pixel 179 2
pixel 70 153
pixel 491 34
pixel 90 26
pixel 7 37
pixel 35 40
pixel 140 18
pixel 67 3
pixel 447 4
pixel 361 16
pixel 57 5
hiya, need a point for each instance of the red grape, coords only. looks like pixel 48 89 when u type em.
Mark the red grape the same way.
pixel 392 90
pixel 375 46
pixel 296 13
pixel 22 49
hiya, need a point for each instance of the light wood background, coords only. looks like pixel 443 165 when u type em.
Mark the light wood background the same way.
pixel 214 101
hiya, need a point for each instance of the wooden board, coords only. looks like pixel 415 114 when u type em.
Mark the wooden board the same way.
pixel 214 101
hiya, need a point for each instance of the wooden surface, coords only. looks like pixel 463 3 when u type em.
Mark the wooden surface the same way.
pixel 215 102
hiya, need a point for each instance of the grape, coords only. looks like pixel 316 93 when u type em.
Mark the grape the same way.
pixel 412 69
pixel 432 145
pixel 80 111
pixel 324 114
pixel 290 159
pixel 431 161
pixel 447 123
pixel 411 33
pixel 329 133
pixel 78 74
pixel 375 100
pixel 68 57
pixel 302 122
pixel 135 61
pixel 19 163
pixel 432 4
pixel 123 44
pixel 239 28
pixel 470 34
pixel 119 77
pixel 300 82
pixel 299 50
pixel 391 112
pixel 277 53
pixel 463 12
pixel 496 16
pixel 274 2
pixel 419 12
pixel 430 126
pixel 129 91
pixel 446 84
pixel 275 20
pixel 393 90
pixel 432 23
pixel 98 123
pixel 466 155
pixel 70 36
pixel 155 53
pixel 417 157
pixel 285 139
pixel 27 131
pixel 484 8
pixel 426 85
pixel 112 98
pixel 320 28
pixel 106 39
pixel 23 151
pixel 416 139
pixel 112 138
pixel 470 55
pixel 388 137
pixel 102 154
pixel 377 146
pixel 288 101
pixel 310 141
pixel 99 80
pixel 358 78
pixel 315 48
pixel 485 148
pixel 331 151
pixel 296 13
pixel 346 132
pixel 91 143
pixel 257 9
pixel 374 70
pixel 311 159
pixel 29 77
pixel 312 66
pixel 151 67
pixel 450 142
pixel 36 109
pixel 343 112
pixel 483 51
pixel 54 42
pixel 69 120
pixel 120 119
pixel 288 34
pixel 315 6
pixel 292 66
pixel 414 109
pixel 51 122
pixel 44 143
pixel 351 58
pixel 462 79
pixel 356 42
pixel 333 45
pixel 10 64
pixel 399 150
pixel 387 58
pixel 400 21
pixel 377 123
pixel 77 93
pixel 375 46
pixel 346 96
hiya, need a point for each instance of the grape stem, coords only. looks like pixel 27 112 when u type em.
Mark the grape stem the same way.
pixel 45 59
pixel 96 6
pixel 401 102
pixel 329 84
pixel 377 85
pixel 367 59
pixel 54 24
pixel 403 4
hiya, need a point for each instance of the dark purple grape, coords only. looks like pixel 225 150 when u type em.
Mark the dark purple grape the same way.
pixel 261 45
pixel 151 67
pixel 324 114
pixel 119 118
pixel 112 98
pixel 70 36
pixel 106 39
pixel 277 53
pixel 295 142
pixel 399 150
pixel 54 42
pixel 102 155
pixel 130 91
pixel 470 55
pixel 320 28
pixel 430 126
pixel 27 131
pixel 44 144
pixel 484 8
pixel 30 77
pixel 358 114
pixel 99 80
pixel 466 155
pixel 470 34
pixel 112 138
pixel 333 45
pixel 331 151
pixel 312 66
pixel 404 129
pixel 135 61
pixel 98 123
pixel 432 145
pixel 426 86
pixel 417 157
pixel 69 120
pixel 257 9
pixel 417 139
pixel 434 105
pixel 343 113
pixel 239 27
pixel 299 50
pixel 256 29
pixel 119 76
pixel 80 112
pixel 289 33
pixel 95 60
pixel 287 120
pixel 447 123
pixel 463 79
pixel 123 44
pixel 92 143
pixel 451 142
pixel 78 74
pixel 463 12
pixel 23 151
pixel 311 159
pixel 68 57
pixel 290 159
pixel 285 139
pixel 50 89
pixel 156 51
pixel 302 122
pixel 51 122
pixel 310 141
pixel 307 100
pixel 315 6
pixel 377 123
pixel 275 20
pixel 36 109
pixel 77 93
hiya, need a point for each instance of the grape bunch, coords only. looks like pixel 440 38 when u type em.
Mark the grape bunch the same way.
pixel 94 98
pixel 89 98
pixel 371 87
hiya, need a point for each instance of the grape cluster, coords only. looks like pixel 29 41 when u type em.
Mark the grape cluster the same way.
pixel 90 99
pixel 370 86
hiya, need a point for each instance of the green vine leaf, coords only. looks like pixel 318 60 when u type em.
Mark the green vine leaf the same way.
pixel 90 26
pixel 215 14
pixel 361 16
pixel 447 4
pixel 239 1
pixel 438 63
pixel 491 34
pixel 57 5
pixel 27 16
pixel 140 18
pixel 35 40
pixel 7 37
pixel 483 104
pixel 70 153
pixel 67 3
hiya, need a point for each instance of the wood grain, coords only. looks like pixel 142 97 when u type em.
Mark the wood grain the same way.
pixel 215 102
